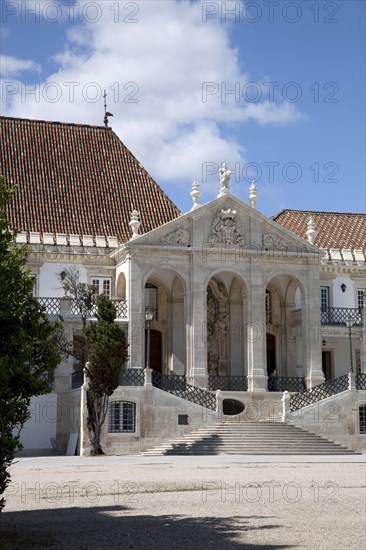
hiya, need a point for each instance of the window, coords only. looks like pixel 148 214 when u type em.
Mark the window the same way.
pixel 102 285
pixel 324 297
pixel 360 299
pixel 151 298
pixel 362 416
pixel 34 289
pixel 324 304
pixel 183 419
pixel 122 417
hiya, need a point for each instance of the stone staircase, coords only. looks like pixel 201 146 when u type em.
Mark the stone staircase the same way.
pixel 250 438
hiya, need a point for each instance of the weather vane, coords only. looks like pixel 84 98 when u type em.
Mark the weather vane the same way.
pixel 106 113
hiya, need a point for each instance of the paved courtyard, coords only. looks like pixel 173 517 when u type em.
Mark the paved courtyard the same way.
pixel 209 503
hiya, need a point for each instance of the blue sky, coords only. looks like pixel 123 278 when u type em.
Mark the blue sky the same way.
pixel 275 89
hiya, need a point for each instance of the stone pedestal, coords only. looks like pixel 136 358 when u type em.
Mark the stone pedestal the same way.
pixel 148 378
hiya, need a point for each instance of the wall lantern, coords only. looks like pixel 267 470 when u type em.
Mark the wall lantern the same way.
pixel 343 287
pixel 149 316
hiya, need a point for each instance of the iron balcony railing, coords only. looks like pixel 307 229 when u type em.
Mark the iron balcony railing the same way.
pixel 227 383
pixel 53 308
pixel 339 315
pixel 286 383
pixel 132 377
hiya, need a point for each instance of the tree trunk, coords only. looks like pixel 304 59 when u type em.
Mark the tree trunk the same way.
pixel 97 411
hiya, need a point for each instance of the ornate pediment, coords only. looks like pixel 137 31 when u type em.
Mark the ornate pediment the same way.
pixel 225 229
pixel 180 237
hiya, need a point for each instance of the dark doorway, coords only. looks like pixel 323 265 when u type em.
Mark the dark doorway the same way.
pixel 155 350
pixel 271 354
pixel 327 364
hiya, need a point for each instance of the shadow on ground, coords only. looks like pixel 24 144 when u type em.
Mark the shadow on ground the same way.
pixel 116 526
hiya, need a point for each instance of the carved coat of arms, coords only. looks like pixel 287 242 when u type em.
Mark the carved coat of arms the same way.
pixel 225 229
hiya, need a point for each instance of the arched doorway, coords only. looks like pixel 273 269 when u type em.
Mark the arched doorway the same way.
pixel 155 350
pixel 164 292
pixel 271 353
pixel 225 322
pixel 284 297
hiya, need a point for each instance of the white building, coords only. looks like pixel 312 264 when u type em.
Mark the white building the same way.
pixel 242 303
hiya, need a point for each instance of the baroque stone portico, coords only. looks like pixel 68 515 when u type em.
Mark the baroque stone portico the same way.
pixel 211 269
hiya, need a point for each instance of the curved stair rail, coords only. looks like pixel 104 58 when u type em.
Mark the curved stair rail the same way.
pixel 360 381
pixel 177 385
pixel 317 393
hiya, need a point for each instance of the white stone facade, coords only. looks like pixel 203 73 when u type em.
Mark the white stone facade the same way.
pixel 234 294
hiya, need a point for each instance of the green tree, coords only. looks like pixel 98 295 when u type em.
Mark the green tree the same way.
pixel 27 353
pixel 107 351
pixel 105 346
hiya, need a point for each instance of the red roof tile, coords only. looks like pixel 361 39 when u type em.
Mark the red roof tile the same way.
pixel 77 179
pixel 334 229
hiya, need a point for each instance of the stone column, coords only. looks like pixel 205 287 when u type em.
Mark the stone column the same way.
pixel 136 315
pixel 197 340
pixel 311 327
pixel 255 335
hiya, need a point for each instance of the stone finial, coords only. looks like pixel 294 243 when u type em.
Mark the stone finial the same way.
pixel 135 224
pixel 253 196
pixel 195 194
pixel 224 180
pixel 311 232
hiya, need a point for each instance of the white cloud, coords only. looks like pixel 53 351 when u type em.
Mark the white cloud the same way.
pixel 11 66
pixel 154 70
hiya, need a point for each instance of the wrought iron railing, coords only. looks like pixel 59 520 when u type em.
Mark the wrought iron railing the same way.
pixel 53 308
pixel 317 393
pixel 51 305
pixel 77 379
pixel 132 377
pixel 178 386
pixel 339 315
pixel 286 383
pixel 227 383
pixel 168 382
pixel 361 381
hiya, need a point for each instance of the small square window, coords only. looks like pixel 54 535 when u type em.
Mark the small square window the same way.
pixel 183 419
pixel 362 416
pixel 122 417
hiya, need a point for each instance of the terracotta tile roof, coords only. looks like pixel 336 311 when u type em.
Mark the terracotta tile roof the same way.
pixel 77 179
pixel 334 229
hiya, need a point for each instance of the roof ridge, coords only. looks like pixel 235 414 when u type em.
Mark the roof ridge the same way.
pixel 56 122
pixel 317 212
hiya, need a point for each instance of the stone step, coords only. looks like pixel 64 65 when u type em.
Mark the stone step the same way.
pixel 249 438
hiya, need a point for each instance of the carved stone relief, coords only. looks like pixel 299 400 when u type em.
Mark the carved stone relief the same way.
pixel 274 242
pixel 217 329
pixel 181 236
pixel 225 229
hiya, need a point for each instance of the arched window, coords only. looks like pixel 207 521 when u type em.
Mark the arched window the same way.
pixel 122 417
pixel 362 417
pixel 151 298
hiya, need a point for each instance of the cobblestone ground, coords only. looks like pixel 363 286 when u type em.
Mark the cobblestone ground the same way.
pixel 195 504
